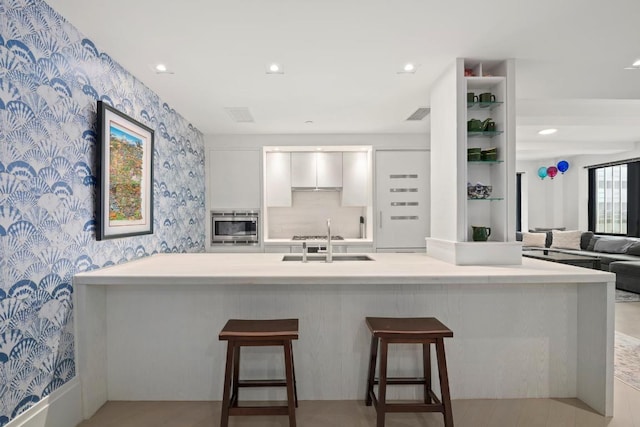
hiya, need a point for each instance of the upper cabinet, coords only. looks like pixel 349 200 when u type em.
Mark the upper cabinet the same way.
pixel 316 170
pixel 232 186
pixel 277 179
pixel 329 170
pixel 355 178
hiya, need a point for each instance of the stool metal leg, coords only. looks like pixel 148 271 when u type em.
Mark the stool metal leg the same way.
pixel 444 383
pixel 288 363
pixel 373 356
pixel 426 367
pixel 224 416
pixel 381 407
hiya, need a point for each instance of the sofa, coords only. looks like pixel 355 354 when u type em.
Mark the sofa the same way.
pixel 619 255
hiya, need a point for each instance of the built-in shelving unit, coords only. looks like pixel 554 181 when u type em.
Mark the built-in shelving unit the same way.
pixel 486 214
pixel 477 90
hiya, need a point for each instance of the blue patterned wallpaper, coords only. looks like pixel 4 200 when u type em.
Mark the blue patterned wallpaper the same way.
pixel 50 79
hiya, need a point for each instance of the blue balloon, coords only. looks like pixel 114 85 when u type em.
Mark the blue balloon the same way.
pixel 563 165
pixel 542 172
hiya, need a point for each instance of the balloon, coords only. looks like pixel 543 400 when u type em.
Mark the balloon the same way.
pixel 552 171
pixel 542 172
pixel 563 165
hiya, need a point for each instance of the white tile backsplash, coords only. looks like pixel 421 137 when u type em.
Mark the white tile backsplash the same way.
pixel 308 216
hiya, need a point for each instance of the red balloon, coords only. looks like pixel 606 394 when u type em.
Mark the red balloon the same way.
pixel 552 171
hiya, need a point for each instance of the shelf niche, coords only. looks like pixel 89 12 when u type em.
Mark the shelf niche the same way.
pixel 451 234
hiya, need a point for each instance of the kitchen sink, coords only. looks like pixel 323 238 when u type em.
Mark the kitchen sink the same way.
pixel 322 258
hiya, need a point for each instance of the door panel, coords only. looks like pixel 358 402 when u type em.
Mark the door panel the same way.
pixel 402 198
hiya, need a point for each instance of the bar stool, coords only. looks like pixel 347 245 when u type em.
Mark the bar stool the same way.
pixel 412 330
pixel 257 333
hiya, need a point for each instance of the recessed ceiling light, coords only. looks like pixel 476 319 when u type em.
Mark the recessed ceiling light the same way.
pixel 309 122
pixel 636 64
pixel 161 69
pixel 548 131
pixel 409 67
pixel 275 68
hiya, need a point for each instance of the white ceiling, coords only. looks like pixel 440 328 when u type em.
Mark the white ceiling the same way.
pixel 341 60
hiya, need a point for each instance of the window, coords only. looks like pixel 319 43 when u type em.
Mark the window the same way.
pixel 611 209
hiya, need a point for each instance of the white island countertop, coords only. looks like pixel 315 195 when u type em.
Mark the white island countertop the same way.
pixel 385 268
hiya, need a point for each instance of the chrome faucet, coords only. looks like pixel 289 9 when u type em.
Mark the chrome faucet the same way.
pixel 329 247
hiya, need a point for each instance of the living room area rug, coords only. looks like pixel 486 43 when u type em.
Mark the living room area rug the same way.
pixel 624 296
pixel 627 359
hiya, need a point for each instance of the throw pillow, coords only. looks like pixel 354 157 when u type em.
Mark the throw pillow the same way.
pixel 585 239
pixel 634 249
pixel 613 245
pixel 592 243
pixel 534 239
pixel 566 239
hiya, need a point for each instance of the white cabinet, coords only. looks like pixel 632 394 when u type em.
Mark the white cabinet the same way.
pixel 402 197
pixel 232 186
pixel 329 170
pixel 316 170
pixel 278 179
pixel 355 178
pixel 303 170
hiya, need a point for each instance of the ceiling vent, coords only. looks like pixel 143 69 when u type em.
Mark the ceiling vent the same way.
pixel 240 114
pixel 419 114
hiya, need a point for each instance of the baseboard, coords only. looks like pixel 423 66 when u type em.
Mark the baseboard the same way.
pixel 62 408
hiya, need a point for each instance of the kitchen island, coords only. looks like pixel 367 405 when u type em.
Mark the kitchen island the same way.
pixel 148 329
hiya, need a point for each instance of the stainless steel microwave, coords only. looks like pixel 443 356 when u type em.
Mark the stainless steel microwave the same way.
pixel 235 227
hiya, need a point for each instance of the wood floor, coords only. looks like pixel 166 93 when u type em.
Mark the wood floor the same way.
pixel 467 413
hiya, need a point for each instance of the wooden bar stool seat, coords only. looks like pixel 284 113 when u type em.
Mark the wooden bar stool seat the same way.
pixel 408 330
pixel 253 333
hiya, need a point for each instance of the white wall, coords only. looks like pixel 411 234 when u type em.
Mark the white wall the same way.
pixel 563 201
pixel 448 222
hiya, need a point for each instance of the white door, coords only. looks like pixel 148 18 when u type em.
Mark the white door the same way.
pixel 402 199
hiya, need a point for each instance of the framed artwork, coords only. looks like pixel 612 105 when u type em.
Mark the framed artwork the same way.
pixel 125 202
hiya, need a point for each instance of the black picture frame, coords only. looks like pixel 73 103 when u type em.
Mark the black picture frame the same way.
pixel 125 200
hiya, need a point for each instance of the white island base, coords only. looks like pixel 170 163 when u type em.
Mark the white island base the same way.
pixel 148 329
